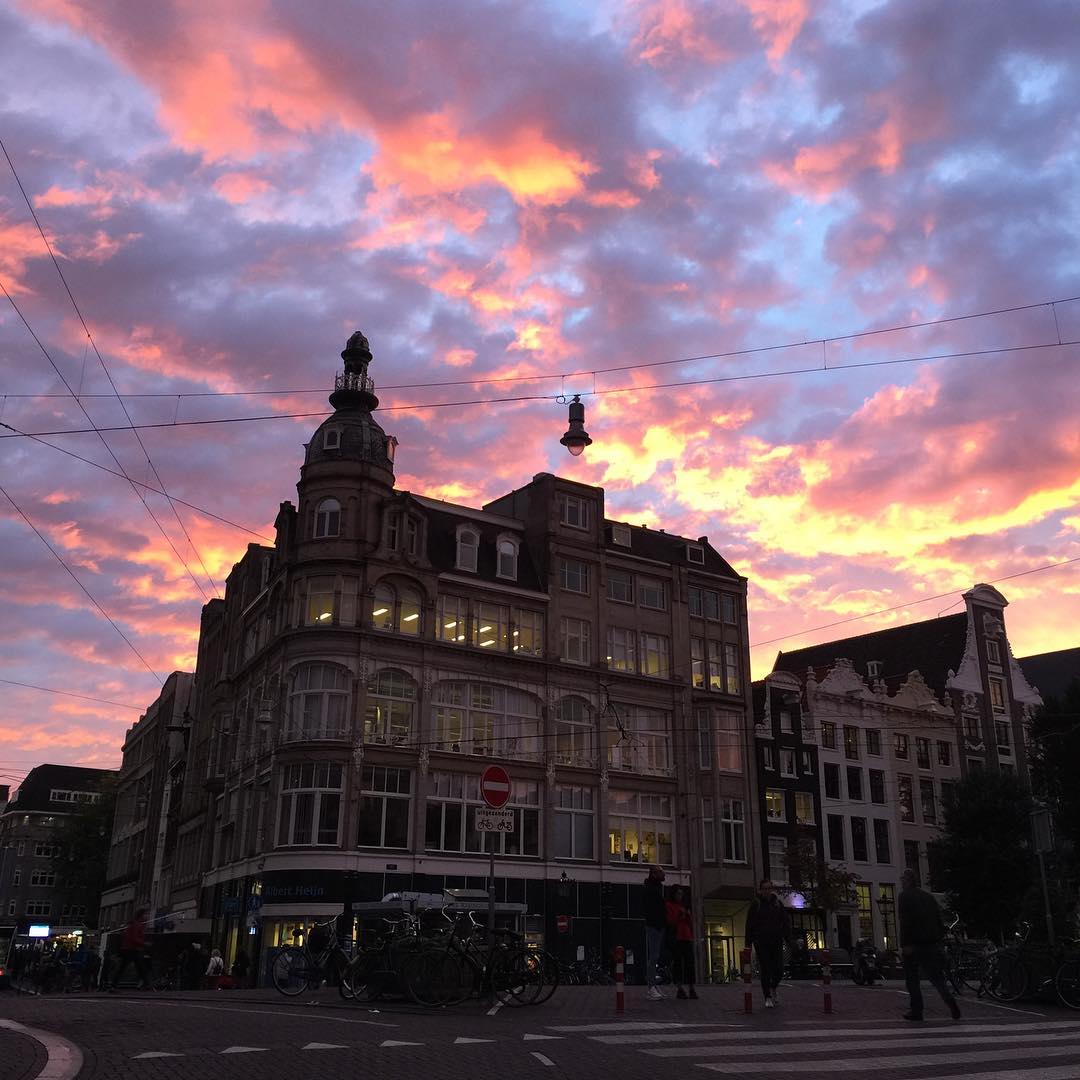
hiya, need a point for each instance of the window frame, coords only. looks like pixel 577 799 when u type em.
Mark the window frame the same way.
pixel 652 593
pixel 466 554
pixel 617 573
pixel 501 570
pixel 576 582
pixel 582 634
pixel 578 793
pixel 327 524
pixel 370 794
pixel 582 511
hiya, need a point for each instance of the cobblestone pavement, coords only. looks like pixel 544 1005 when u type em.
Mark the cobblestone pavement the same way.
pixel 260 1034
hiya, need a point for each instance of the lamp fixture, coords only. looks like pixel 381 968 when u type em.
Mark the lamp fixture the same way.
pixel 576 438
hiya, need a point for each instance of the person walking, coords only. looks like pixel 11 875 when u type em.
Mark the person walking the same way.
pixel 768 929
pixel 132 949
pixel 922 934
pixel 214 970
pixel 655 912
pixel 681 925
pixel 240 968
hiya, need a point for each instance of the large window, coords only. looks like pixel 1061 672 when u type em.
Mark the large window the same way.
pixel 640 828
pixel 997 695
pixel 804 808
pixel 859 851
pixel 832 780
pixel 452 619
pixel 574 575
pixel 733 826
pixel 310 809
pixel 652 594
pixel 574 821
pixel 573 731
pixel 491 627
pixel 729 740
pixel 574 638
pixel 450 817
pixel 905 794
pixel 396 609
pixel 489 721
pixel 573 511
pixel 494 627
pixel 384 807
pixel 828 734
pixel 882 852
pixel 922 753
pixel 944 753
pixel 328 518
pixel 900 746
pixel 620 586
pixel 527 636
pixel 836 836
pixel 319 609
pixel 391 708
pixel 655 655
pixel 639 739
pixel 621 649
pixel 775 805
pixel 708 829
pixel 851 742
pixel 877 786
pixel 319 703
pixel 928 802
pixel 778 867
pixel 854 783
pixel 507 567
pixel 731 668
pixel 45 878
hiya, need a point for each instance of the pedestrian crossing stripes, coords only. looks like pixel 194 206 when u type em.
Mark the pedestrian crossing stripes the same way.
pixel 1047 1050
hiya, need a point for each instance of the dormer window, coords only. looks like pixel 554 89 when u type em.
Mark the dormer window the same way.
pixel 993 651
pixel 873 669
pixel 508 558
pixel 695 553
pixel 468 544
pixel 332 439
pixel 328 518
pixel 573 511
pixel 620 534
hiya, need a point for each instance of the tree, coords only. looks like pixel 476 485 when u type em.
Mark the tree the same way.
pixel 1055 764
pixel 825 887
pixel 983 858
pixel 81 861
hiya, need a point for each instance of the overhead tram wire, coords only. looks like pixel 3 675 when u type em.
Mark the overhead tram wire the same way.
pixel 729 354
pixel 816 370
pixel 112 384
pixel 98 431
pixel 70 693
pixel 59 558
pixel 148 487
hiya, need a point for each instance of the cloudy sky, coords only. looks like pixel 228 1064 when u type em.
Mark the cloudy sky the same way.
pixel 555 193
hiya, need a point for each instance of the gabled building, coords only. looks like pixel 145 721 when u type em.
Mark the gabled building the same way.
pixel 360 674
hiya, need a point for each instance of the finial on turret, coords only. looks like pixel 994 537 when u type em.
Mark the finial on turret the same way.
pixel 357 353
pixel 353 388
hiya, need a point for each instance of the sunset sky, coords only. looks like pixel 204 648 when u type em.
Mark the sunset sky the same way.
pixel 492 190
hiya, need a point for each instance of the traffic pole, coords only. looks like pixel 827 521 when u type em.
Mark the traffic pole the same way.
pixel 620 978
pixel 826 980
pixel 748 992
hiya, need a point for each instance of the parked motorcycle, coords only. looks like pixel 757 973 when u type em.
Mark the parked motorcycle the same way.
pixel 865 964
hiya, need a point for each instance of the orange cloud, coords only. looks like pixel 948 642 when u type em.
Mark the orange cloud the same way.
pixel 777 22
pixel 671 31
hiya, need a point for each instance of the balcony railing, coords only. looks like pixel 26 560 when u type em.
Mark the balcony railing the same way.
pixel 349 380
pixel 294 733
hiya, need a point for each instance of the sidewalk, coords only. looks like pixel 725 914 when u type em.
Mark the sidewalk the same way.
pixel 21 1058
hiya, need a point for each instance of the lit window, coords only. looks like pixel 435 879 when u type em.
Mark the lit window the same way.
pixel 641 828
pixel 655 655
pixel 328 518
pixel 778 868
pixel 997 695
pixel 408 613
pixel 468 543
pixel 491 627
pixel 382 607
pixel 318 703
pixel 774 805
pixel 621 649
pixel 320 601
pixel 391 703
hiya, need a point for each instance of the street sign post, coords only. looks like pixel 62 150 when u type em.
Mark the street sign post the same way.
pixel 495 788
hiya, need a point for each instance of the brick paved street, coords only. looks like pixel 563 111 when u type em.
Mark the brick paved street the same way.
pixel 260 1034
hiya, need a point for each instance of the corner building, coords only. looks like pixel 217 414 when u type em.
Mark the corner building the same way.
pixel 359 676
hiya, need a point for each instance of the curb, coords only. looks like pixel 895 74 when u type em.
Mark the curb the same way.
pixel 65 1059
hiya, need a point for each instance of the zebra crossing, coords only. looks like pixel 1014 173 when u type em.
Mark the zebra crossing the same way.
pixel 944 1050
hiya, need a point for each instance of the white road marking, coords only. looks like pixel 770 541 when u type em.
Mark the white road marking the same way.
pixel 394 1042
pixel 159 1004
pixel 324 1046
pixel 934 1061
pixel 461 1039
pixel 154 1054
pixel 819 1033
pixel 65 1059
pixel 614 1025
pixel 542 1058
pixel 245 1049
pixel 912 1042
pixel 495 1008
pixel 534 1038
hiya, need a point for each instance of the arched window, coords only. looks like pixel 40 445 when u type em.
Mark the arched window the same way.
pixel 382 607
pixel 328 518
pixel 574 733
pixel 332 439
pixel 318 703
pixel 468 543
pixel 508 559
pixel 391 708
pixel 492 721
pixel 408 612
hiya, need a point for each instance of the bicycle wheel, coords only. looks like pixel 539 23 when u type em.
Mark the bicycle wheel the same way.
pixel 434 979
pixel 971 967
pixel 291 972
pixel 521 976
pixel 1007 979
pixel 1067 983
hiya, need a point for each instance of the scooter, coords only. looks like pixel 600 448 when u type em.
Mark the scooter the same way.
pixel 865 966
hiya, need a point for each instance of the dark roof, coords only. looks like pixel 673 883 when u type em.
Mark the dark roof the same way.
pixel 669 548
pixel 442 549
pixel 33 793
pixel 932 648
pixel 1051 672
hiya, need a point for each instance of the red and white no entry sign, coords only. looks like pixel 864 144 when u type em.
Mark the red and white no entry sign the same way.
pixel 495 786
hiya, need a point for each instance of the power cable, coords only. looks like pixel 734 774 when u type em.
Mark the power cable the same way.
pixel 590 393
pixel 108 375
pixel 69 693
pixel 98 431
pixel 729 354
pixel 148 487
pixel 71 572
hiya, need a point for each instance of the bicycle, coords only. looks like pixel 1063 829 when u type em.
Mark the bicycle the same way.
pixel 305 967
pixel 378 967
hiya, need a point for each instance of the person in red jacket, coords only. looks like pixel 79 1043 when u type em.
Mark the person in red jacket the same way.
pixel 681 922
pixel 132 948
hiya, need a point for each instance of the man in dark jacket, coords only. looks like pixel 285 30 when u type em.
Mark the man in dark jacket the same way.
pixel 655 911
pixel 768 928
pixel 921 936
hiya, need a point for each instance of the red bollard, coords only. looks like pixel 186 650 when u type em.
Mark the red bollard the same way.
pixel 620 977
pixel 748 993
pixel 826 979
